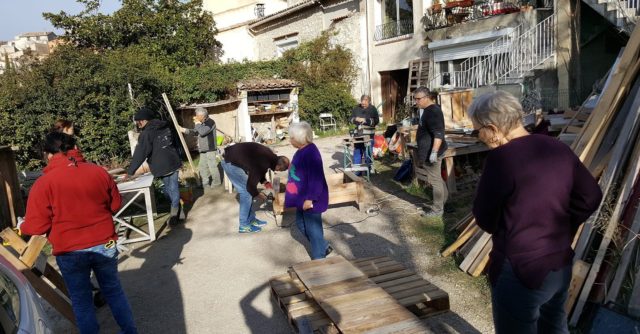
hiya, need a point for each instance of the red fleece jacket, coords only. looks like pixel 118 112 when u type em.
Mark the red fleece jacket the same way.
pixel 72 203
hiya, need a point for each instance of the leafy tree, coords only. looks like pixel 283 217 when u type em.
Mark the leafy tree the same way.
pixel 177 32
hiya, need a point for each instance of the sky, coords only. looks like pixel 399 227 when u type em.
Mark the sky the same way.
pixel 20 16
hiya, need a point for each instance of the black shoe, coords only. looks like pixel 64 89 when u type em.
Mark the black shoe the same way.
pixel 175 221
pixel 328 251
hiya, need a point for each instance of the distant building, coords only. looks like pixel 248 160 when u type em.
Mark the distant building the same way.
pixel 34 44
pixel 232 21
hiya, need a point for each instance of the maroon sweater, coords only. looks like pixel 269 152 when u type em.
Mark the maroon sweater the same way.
pixel 533 194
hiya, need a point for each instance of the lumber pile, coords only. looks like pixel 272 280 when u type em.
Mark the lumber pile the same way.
pixel 604 134
pixel 312 293
pixel 608 145
pixel 473 244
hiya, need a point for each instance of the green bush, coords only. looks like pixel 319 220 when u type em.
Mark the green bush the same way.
pixel 87 81
pixel 326 98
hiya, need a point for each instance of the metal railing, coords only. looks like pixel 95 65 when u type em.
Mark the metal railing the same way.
pixel 446 17
pixel 510 57
pixel 393 29
pixel 629 11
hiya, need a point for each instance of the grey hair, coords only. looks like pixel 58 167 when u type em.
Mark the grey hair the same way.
pixel 301 132
pixel 365 97
pixel 423 90
pixel 500 108
pixel 202 111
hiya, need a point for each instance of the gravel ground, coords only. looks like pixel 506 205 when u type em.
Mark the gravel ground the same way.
pixel 204 277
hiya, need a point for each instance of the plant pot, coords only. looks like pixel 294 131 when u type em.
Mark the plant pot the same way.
pixel 436 8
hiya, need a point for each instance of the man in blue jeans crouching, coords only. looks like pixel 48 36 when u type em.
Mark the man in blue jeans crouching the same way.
pixel 246 165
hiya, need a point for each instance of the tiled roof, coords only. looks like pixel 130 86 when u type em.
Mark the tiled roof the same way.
pixel 211 104
pixel 257 84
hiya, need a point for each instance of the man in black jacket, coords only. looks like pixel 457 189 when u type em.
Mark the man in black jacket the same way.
pixel 431 145
pixel 246 165
pixel 156 145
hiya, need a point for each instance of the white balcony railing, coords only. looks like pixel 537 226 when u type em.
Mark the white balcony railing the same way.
pixel 510 57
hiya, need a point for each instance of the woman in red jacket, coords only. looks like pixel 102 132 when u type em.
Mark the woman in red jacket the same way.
pixel 73 203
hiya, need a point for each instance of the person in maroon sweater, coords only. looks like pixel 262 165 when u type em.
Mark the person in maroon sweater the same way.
pixel 533 194
pixel 73 203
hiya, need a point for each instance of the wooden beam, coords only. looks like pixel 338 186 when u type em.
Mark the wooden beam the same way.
pixel 184 143
pixel 578 275
pixel 33 250
pixel 623 265
pixel 460 241
pixel 45 290
pixel 475 251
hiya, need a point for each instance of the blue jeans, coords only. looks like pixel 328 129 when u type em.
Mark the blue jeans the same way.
pixel 172 188
pixel 360 151
pixel 238 178
pixel 518 309
pixel 76 270
pixel 310 224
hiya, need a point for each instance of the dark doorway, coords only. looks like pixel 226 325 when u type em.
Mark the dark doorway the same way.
pixel 394 89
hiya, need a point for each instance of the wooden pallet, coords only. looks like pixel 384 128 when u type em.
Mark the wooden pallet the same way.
pixel 413 292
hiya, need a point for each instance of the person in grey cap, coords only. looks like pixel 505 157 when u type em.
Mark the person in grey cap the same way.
pixel 156 145
pixel 205 129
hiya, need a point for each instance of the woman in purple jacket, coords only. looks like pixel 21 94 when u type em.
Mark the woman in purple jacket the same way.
pixel 307 189
pixel 533 194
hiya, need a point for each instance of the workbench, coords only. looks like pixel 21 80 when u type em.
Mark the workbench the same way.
pixel 454 149
pixel 131 192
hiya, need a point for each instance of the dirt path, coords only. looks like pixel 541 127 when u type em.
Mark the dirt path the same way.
pixel 207 278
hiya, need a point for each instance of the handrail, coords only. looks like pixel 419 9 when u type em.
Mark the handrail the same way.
pixel 514 53
pixel 393 29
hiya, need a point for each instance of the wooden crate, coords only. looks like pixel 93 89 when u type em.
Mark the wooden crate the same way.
pixel 413 292
pixel 343 188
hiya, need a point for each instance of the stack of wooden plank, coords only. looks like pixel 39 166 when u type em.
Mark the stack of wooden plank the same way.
pixel 473 244
pixel 606 138
pixel 307 293
pixel 608 146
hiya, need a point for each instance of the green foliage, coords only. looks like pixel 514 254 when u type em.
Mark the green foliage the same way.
pixel 83 86
pixel 156 46
pixel 326 73
pixel 333 98
pixel 214 81
pixel 177 32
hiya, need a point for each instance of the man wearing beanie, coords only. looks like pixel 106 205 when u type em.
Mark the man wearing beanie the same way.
pixel 155 144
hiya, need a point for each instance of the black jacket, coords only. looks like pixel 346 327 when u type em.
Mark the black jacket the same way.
pixel 156 145
pixel 430 126
pixel 370 115
pixel 255 159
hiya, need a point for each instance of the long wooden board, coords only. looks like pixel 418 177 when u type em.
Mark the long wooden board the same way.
pixel 182 141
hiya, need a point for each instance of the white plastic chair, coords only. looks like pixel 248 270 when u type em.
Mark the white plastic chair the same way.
pixel 327 121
